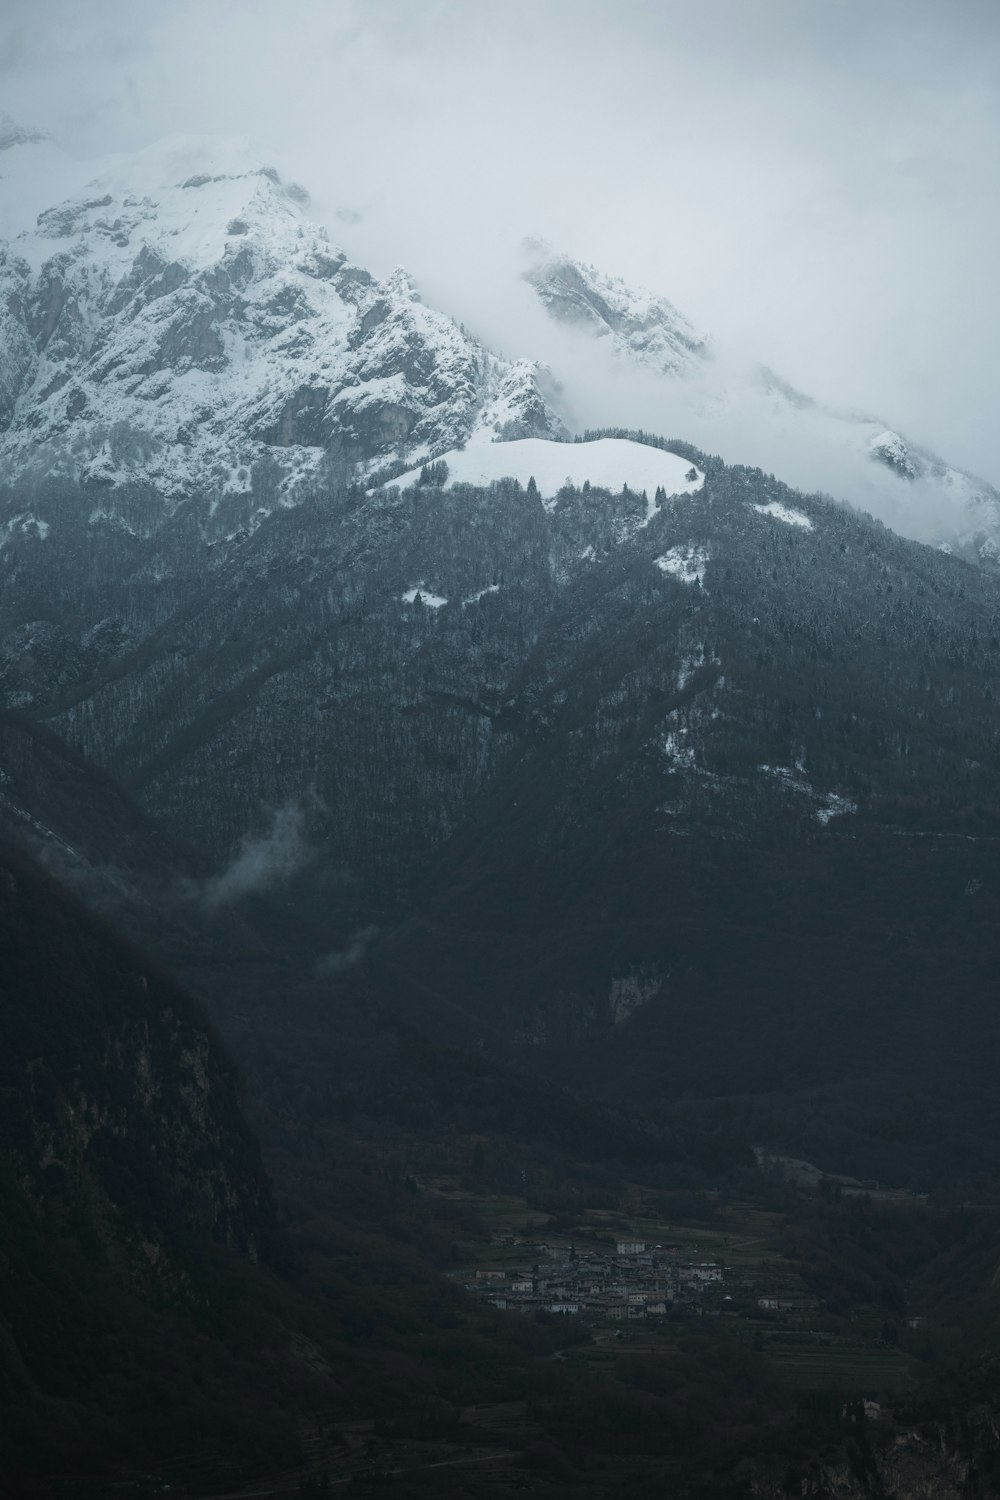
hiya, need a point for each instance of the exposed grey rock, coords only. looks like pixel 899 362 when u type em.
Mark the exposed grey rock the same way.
pixel 164 274
pixel 649 328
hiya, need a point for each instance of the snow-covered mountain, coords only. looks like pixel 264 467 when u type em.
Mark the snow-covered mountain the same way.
pixel 636 349
pixel 637 324
pixel 176 320
pixel 560 743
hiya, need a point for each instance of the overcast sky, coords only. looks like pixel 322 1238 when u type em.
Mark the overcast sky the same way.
pixel 814 181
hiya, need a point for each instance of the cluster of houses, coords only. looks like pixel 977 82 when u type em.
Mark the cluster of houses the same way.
pixel 635 1281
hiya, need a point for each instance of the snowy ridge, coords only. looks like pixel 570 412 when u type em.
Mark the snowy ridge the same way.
pixel 177 322
pixel 751 415
pixel 606 463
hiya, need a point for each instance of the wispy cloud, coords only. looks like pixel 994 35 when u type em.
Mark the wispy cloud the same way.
pixel 263 861
pixel 346 958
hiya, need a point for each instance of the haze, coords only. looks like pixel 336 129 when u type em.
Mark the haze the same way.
pixel 813 184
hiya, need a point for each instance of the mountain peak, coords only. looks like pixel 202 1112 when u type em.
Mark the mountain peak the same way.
pixel 399 283
pixel 175 320
pixel 641 325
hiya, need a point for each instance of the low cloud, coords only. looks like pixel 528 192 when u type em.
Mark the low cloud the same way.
pixel 263 861
pixel 336 963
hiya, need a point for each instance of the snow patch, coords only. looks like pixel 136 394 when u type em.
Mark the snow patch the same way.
pixel 687 563
pixel 101 517
pixel 784 513
pixel 493 588
pixel 25 524
pixel 606 463
pixel 833 804
pixel 674 748
pixel 792 777
pixel 432 601
pixel 836 807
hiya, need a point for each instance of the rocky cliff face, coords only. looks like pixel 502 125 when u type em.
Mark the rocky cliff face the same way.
pixel 122 1131
pixel 178 322
pixel 637 324
pixel 892 1455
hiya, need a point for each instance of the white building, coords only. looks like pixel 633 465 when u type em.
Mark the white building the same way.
pixel 707 1271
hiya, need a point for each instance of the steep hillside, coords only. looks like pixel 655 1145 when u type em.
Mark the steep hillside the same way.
pixel 380 659
pixel 76 820
pixel 126 1163
pixel 622 766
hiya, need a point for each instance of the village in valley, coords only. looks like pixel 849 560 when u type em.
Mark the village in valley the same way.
pixel 612 1272
pixel 623 1283
pixel 640 1278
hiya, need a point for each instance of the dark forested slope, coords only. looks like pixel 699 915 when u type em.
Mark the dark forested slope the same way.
pixel 703 802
